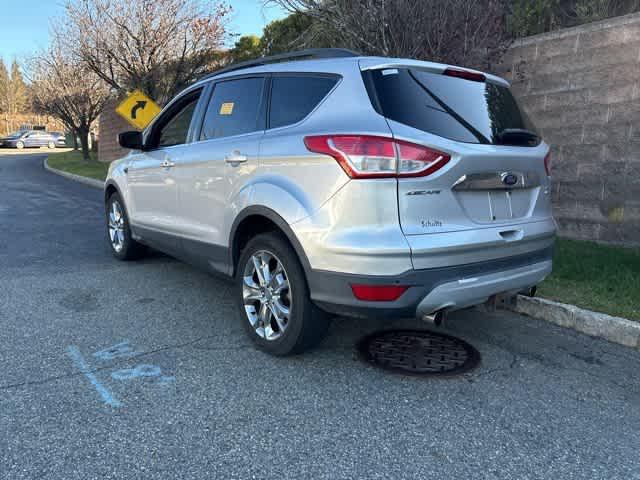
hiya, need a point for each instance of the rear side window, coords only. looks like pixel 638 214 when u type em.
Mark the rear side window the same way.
pixel 455 108
pixel 294 97
pixel 236 107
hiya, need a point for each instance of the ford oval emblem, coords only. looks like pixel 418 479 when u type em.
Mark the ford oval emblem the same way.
pixel 509 179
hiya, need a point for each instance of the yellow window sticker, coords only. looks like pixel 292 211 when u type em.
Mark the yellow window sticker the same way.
pixel 226 108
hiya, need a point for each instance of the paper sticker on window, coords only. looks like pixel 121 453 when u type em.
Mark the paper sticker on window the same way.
pixel 226 108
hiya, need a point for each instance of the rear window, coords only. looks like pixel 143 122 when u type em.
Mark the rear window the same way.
pixel 454 108
pixel 294 97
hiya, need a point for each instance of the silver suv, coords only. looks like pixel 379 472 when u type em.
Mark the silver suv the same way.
pixel 329 183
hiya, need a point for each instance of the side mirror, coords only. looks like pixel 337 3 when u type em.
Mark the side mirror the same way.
pixel 131 140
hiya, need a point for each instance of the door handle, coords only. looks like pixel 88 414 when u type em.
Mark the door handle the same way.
pixel 235 157
pixel 167 164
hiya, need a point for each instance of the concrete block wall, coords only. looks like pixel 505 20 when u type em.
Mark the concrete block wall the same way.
pixel 581 87
pixel 110 125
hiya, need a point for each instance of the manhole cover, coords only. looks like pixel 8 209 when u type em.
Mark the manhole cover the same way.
pixel 418 352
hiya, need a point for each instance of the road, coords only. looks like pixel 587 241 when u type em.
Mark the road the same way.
pixel 183 394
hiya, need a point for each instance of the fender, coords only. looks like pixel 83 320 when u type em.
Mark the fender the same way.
pixel 280 222
pixel 111 183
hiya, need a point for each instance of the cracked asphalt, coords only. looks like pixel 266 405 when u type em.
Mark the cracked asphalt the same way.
pixel 141 370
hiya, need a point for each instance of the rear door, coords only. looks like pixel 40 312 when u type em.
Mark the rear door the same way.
pixel 219 161
pixel 496 176
pixel 31 140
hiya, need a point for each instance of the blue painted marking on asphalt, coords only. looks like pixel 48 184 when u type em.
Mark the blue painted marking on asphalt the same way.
pixel 81 365
pixel 165 380
pixel 143 370
pixel 122 349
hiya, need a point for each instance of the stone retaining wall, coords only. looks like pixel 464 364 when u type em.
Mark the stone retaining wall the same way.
pixel 581 86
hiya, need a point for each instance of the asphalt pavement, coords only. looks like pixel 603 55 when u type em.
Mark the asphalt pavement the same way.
pixel 141 370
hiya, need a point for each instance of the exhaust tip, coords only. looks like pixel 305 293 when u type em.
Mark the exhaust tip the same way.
pixel 435 318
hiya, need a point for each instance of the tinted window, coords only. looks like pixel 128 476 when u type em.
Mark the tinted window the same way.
pixel 175 131
pixel 236 107
pixel 455 108
pixel 293 98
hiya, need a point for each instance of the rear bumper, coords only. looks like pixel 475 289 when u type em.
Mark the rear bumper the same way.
pixel 432 289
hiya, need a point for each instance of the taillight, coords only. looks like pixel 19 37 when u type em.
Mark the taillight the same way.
pixel 547 164
pixel 466 74
pixel 367 156
pixel 378 293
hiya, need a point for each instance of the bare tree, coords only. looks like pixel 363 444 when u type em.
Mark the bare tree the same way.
pixel 67 90
pixel 159 46
pixel 464 32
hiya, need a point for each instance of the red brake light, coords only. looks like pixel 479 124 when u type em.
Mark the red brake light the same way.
pixel 378 293
pixel 547 164
pixel 367 156
pixel 466 74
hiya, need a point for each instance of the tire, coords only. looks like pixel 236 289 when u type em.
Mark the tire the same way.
pixel 51 145
pixel 305 325
pixel 19 145
pixel 122 245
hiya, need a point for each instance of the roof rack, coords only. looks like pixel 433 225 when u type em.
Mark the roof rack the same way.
pixel 285 57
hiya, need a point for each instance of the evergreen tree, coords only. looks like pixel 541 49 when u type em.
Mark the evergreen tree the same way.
pixel 17 90
pixel 4 95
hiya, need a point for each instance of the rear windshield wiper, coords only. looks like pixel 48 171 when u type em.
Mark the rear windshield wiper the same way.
pixel 516 136
pixel 481 138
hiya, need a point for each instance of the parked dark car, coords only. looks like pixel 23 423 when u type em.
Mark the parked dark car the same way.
pixel 33 138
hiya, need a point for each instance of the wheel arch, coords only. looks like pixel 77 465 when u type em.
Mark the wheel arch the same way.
pixel 258 219
pixel 110 188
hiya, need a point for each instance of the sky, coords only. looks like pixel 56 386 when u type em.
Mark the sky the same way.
pixel 24 25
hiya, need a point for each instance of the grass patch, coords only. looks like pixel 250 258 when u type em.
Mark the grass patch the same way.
pixel 597 277
pixel 72 162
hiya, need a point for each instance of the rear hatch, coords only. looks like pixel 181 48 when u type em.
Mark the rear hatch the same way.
pixel 496 175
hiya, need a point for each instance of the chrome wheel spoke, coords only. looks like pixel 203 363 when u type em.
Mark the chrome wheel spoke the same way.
pixel 252 315
pixel 280 310
pixel 280 313
pixel 251 293
pixel 279 283
pixel 265 314
pixel 257 265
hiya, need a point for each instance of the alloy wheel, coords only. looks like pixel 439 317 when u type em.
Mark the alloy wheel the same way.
pixel 266 295
pixel 116 226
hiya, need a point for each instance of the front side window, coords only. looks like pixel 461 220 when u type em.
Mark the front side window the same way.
pixel 294 97
pixel 236 107
pixel 176 129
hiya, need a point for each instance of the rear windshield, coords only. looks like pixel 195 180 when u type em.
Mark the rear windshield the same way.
pixel 455 108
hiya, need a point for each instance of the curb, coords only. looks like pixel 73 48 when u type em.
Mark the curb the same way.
pixel 614 329
pixel 92 182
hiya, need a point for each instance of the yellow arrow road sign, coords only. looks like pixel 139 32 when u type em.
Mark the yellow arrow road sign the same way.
pixel 138 109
